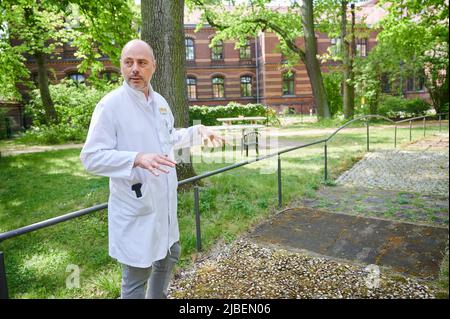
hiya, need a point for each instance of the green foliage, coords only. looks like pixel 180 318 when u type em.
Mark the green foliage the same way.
pixel 74 104
pixel 34 24
pixel 397 107
pixel 367 85
pixel 94 28
pixel 413 39
pixel 101 28
pixel 332 82
pixel 208 114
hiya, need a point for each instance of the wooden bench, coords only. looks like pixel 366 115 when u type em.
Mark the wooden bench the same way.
pixel 251 119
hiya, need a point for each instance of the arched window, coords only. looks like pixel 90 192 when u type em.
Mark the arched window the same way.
pixel 245 51
pixel 217 51
pixel 246 86
pixel 191 83
pixel 190 49
pixel 218 87
pixel 77 77
pixel 288 83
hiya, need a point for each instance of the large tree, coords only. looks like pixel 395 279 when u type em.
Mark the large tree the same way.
pixel 251 17
pixel 37 28
pixel 163 29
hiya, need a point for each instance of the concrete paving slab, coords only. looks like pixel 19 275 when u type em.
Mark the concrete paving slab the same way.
pixel 404 247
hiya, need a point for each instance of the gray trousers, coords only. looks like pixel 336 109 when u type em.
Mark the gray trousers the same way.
pixel 156 278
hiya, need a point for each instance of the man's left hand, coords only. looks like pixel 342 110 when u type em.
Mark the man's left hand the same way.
pixel 209 135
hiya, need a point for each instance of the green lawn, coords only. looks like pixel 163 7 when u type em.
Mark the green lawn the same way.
pixel 38 186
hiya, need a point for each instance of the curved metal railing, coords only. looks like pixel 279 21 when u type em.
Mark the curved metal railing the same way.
pixel 59 219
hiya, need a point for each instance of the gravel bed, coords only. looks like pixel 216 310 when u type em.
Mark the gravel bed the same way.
pixel 244 269
pixel 421 172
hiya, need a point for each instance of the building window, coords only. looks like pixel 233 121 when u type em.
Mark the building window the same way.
pixel 218 87
pixel 246 86
pixel 361 47
pixel 335 46
pixel 288 83
pixel 190 49
pixel 77 77
pixel 217 51
pixel 110 76
pixel 415 83
pixel 385 84
pixel 191 83
pixel 245 51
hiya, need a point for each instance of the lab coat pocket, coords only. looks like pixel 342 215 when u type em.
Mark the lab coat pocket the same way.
pixel 138 200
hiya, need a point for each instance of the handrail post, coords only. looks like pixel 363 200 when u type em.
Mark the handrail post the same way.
pixel 410 131
pixel 424 126
pixel 325 151
pixel 395 136
pixel 3 283
pixel 440 122
pixel 367 124
pixel 280 192
pixel 197 218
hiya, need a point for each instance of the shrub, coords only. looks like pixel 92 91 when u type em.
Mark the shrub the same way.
pixel 74 104
pixel 208 114
pixel 332 82
pixel 398 107
pixel 417 107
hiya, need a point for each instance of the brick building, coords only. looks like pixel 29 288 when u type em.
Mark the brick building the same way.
pixel 255 73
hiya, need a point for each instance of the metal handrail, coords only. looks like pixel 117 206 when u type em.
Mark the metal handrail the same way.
pixel 420 117
pixel 76 214
pixel 357 119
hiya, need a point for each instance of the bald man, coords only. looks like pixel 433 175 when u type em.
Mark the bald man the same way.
pixel 131 140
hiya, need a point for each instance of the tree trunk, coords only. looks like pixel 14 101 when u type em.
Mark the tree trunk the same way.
pixel 311 62
pixel 348 52
pixel 47 102
pixel 163 29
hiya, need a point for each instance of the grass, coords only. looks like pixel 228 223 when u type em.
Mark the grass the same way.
pixel 442 282
pixel 39 186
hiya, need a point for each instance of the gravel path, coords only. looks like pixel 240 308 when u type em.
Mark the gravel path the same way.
pixel 420 172
pixel 245 270
pixel 17 150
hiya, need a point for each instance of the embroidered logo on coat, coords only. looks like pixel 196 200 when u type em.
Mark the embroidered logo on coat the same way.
pixel 162 110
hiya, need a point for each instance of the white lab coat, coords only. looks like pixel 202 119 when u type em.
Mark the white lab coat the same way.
pixel 141 230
